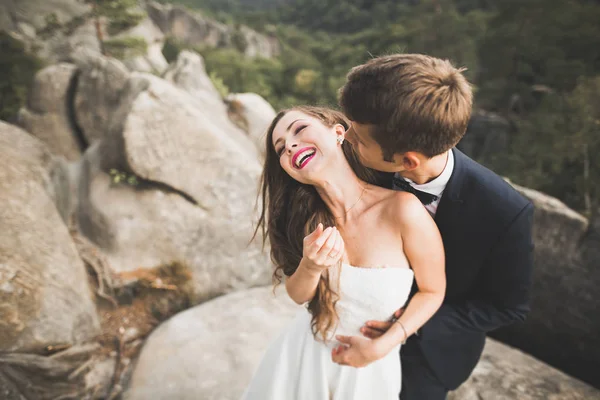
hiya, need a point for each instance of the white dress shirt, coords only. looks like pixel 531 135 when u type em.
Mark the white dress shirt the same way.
pixel 436 186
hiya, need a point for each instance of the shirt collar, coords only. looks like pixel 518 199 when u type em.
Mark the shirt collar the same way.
pixel 436 186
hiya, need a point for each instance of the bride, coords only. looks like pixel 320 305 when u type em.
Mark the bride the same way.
pixel 349 251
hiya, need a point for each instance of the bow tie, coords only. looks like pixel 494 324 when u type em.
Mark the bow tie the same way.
pixel 426 198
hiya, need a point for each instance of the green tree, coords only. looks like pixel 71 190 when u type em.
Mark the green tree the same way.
pixel 17 71
pixel 121 14
pixel 535 61
pixel 584 124
pixel 538 42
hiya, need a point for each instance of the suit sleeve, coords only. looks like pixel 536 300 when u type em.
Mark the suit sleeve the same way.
pixel 503 286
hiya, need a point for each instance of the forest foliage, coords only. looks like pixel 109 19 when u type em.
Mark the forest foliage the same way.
pixel 535 62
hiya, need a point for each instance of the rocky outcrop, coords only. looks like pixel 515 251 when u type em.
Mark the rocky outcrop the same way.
pixel 153 61
pixel 197 182
pixel 504 373
pixel 53 29
pixel 562 327
pixel 47 112
pixel 56 29
pixel 27 17
pixel 227 337
pixel 103 95
pixel 223 338
pixel 194 29
pixel 487 135
pixel 253 114
pixel 78 372
pixel 188 73
pixel 44 294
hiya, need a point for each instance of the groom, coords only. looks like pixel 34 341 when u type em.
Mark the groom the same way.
pixel 408 112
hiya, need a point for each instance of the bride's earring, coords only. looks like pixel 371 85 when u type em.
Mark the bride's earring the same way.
pixel 340 140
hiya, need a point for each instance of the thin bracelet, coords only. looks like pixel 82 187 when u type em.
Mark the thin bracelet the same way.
pixel 405 332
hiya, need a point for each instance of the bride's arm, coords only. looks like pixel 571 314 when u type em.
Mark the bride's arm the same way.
pixel 423 247
pixel 322 249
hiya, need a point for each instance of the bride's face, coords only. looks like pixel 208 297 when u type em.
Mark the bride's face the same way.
pixel 305 146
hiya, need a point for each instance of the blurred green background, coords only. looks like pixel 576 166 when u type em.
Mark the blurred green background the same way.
pixel 534 63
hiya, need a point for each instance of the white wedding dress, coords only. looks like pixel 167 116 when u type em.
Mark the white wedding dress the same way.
pixel 298 367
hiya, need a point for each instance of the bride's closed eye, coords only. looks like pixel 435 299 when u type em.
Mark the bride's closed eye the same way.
pixel 299 128
pixel 296 131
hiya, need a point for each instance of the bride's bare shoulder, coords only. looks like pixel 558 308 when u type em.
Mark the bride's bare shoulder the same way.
pixel 404 208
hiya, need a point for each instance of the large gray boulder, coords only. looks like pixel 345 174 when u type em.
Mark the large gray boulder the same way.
pixel 210 351
pixel 562 327
pixel 106 90
pixel 195 354
pixel 197 188
pixel 505 373
pixel 28 16
pixel 153 61
pixel 44 294
pixel 57 29
pixel 253 114
pixel 189 74
pixel 103 95
pixel 53 28
pixel 47 112
pixel 194 29
pixel 259 45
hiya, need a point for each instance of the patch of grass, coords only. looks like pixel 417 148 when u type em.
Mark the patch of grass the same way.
pixel 126 47
pixel 123 177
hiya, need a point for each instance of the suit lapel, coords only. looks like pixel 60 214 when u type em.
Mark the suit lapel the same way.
pixel 447 216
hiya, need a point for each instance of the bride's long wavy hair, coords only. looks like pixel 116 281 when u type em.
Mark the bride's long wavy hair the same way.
pixel 291 210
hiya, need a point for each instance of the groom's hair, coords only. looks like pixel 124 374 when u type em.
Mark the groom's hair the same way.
pixel 414 102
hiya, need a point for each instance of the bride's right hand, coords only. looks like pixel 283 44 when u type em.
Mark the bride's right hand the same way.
pixel 322 248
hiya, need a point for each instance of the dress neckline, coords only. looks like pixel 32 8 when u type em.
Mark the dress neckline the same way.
pixel 377 268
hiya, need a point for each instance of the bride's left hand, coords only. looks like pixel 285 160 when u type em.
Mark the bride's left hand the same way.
pixel 356 351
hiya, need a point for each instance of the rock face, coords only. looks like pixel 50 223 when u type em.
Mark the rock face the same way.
pixel 504 373
pixel 28 16
pixel 487 135
pixel 562 328
pixel 214 342
pixel 193 29
pixel 44 293
pixel 103 95
pixel 47 113
pixel 253 114
pixel 195 354
pixel 56 29
pixel 188 73
pixel 153 61
pixel 198 184
pixel 29 20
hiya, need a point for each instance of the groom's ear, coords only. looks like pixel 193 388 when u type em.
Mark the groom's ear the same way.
pixel 410 160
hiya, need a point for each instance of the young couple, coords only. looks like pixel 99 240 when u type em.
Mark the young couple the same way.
pixel 404 250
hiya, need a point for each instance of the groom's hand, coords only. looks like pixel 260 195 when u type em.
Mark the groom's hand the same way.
pixel 374 329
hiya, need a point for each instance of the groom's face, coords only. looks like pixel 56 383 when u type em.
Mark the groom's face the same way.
pixel 369 151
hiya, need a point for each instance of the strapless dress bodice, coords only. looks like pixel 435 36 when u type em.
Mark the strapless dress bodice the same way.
pixel 370 294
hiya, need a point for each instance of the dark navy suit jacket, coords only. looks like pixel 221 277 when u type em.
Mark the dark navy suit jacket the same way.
pixel 486 229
